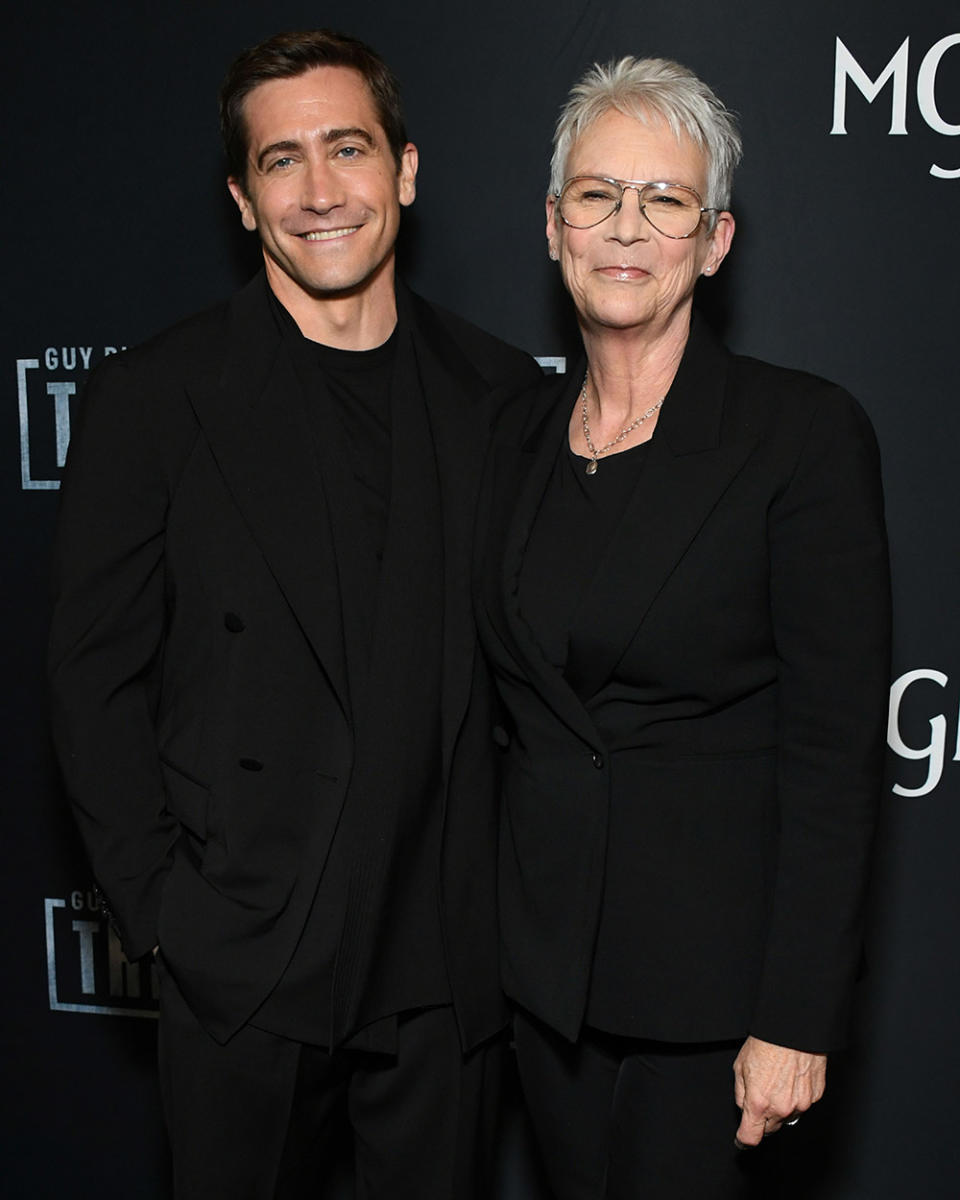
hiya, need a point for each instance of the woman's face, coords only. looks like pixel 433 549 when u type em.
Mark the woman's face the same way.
pixel 622 273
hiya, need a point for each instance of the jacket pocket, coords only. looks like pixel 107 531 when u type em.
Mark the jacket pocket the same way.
pixel 187 798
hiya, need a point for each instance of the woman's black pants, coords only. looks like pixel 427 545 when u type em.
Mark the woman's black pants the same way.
pixel 630 1119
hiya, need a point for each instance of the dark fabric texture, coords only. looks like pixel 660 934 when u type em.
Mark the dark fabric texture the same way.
pixel 573 527
pixel 266 1118
pixel 203 706
pixel 689 807
pixel 372 945
pixel 348 400
pixel 626 1119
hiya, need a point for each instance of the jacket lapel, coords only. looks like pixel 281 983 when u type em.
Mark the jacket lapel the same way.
pixel 254 420
pixel 516 480
pixel 690 465
pixel 452 392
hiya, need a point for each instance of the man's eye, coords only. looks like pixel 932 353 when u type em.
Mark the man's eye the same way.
pixel 349 152
pixel 282 163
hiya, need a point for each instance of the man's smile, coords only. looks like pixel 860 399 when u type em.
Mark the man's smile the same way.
pixel 326 235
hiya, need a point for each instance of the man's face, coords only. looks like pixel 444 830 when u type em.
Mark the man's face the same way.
pixel 322 187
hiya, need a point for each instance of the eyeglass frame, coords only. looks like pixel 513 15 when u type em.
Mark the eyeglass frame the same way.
pixel 637 185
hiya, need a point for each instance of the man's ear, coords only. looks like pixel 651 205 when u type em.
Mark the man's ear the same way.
pixel 407 175
pixel 247 215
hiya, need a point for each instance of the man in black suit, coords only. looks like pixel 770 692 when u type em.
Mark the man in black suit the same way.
pixel 268 703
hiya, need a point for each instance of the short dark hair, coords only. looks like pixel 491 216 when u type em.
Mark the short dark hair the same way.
pixel 286 55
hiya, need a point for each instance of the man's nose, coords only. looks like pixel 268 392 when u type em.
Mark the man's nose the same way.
pixel 322 187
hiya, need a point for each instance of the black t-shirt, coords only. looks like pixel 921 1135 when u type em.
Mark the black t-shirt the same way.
pixel 570 535
pixel 359 382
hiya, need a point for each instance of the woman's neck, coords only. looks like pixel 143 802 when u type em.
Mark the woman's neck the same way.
pixel 631 369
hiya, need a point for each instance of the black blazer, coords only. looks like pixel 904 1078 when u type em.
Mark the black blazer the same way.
pixel 201 703
pixel 689 808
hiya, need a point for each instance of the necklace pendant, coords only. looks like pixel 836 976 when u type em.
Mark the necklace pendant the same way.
pixel 591 468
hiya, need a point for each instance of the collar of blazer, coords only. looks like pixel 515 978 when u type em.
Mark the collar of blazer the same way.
pixel 248 400
pixel 453 389
pixel 694 455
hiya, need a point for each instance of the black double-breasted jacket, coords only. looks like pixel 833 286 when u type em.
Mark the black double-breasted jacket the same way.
pixel 689 804
pixel 200 689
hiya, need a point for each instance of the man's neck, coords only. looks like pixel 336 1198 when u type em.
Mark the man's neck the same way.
pixel 359 319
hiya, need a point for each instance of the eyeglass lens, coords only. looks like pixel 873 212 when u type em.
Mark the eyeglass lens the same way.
pixel 671 209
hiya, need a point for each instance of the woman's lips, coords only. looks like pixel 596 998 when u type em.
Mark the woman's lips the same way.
pixel 623 272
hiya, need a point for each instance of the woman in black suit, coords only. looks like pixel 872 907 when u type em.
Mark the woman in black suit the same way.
pixel 685 598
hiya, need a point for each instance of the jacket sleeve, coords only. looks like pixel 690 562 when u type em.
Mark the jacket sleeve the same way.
pixel 830 600
pixel 106 643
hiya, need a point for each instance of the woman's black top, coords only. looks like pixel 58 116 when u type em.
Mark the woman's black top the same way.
pixel 569 538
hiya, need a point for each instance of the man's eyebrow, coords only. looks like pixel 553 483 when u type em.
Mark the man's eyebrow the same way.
pixel 334 135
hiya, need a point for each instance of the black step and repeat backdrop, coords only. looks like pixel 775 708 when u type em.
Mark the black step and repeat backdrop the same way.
pixel 845 263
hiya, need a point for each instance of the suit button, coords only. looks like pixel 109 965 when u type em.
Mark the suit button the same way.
pixel 598 761
pixel 500 737
pixel 251 764
pixel 233 623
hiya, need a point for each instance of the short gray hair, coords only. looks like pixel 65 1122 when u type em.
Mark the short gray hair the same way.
pixel 648 88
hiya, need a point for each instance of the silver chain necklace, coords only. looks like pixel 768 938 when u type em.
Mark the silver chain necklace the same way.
pixel 591 468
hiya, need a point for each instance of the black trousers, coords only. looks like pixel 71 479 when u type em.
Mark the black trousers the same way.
pixel 265 1118
pixel 629 1119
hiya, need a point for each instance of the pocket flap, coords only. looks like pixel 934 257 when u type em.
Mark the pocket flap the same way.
pixel 187 799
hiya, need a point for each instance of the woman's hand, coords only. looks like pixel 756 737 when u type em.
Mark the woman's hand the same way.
pixel 774 1084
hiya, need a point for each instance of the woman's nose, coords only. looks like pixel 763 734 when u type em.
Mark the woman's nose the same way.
pixel 628 223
